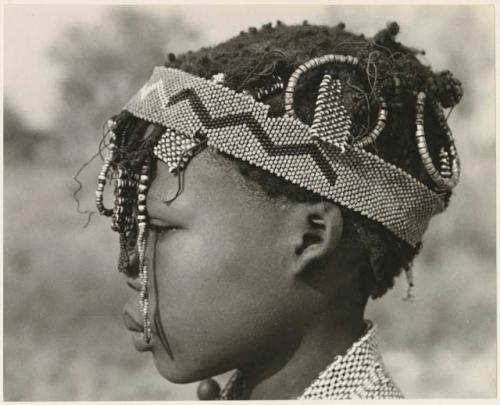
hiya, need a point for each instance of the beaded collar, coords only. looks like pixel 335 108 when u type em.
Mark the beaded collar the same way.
pixel 358 374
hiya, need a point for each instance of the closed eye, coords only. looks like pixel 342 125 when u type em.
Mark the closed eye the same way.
pixel 162 230
pixel 133 285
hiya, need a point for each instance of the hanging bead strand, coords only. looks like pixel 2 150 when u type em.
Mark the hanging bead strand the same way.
pixel 101 179
pixel 141 246
pixel 309 65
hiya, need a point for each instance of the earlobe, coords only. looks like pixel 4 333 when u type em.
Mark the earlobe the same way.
pixel 320 231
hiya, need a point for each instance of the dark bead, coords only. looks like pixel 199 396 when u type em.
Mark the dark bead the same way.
pixel 208 390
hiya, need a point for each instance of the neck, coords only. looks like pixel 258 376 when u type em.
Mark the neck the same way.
pixel 327 338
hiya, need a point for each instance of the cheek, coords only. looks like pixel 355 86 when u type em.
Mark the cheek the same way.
pixel 221 295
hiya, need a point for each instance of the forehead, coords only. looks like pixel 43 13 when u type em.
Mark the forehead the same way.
pixel 208 186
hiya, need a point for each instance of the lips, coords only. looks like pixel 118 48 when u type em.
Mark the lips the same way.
pixel 140 344
pixel 138 339
pixel 131 323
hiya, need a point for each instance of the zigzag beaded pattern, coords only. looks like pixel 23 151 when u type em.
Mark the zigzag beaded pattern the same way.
pixel 358 374
pixel 236 124
pixel 239 124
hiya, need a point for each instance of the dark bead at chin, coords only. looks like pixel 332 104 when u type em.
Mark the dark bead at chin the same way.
pixel 208 390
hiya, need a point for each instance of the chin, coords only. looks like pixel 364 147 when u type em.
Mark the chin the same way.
pixel 181 372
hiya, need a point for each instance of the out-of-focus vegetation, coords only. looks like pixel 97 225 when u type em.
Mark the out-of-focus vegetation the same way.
pixel 101 67
pixel 63 333
pixel 20 141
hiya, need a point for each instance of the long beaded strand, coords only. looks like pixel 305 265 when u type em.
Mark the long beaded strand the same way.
pixel 141 245
pixel 101 179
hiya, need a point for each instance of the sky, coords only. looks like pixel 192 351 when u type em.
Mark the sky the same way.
pixel 30 79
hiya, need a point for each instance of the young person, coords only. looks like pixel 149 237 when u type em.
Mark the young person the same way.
pixel 265 189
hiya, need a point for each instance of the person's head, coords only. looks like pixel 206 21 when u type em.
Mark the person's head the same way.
pixel 241 258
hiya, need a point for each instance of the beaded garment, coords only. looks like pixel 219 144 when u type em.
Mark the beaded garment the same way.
pixel 358 374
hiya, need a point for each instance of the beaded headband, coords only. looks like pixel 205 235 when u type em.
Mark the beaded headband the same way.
pixel 317 158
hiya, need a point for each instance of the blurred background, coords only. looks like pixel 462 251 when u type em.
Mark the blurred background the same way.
pixel 67 68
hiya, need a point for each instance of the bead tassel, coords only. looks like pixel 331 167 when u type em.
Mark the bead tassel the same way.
pixel 101 180
pixel 331 122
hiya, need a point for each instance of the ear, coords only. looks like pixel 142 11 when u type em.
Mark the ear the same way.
pixel 317 231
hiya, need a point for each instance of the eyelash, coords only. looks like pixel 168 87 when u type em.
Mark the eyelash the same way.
pixel 161 230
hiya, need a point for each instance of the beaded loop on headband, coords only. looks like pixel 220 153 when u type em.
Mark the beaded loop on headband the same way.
pixel 374 133
pixel 372 136
pixel 309 65
pixel 443 178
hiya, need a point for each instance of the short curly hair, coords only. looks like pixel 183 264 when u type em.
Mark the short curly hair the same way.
pixel 256 57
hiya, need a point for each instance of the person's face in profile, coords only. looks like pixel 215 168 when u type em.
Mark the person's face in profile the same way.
pixel 218 258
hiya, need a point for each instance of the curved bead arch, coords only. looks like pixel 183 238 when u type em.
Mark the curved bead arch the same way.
pixel 378 128
pixel 443 178
pixel 101 179
pixel 335 58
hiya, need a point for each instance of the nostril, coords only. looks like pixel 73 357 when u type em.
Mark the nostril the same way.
pixel 135 284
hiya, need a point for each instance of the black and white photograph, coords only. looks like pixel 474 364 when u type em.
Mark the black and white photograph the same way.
pixel 249 201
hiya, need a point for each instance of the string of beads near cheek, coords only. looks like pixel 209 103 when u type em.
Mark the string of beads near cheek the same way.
pixel 101 179
pixel 141 246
